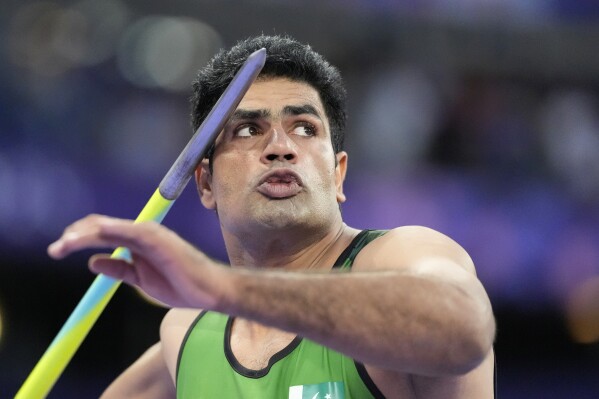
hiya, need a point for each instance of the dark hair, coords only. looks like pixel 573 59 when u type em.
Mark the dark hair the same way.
pixel 285 58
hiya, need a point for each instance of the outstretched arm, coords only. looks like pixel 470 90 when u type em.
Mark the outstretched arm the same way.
pixel 413 303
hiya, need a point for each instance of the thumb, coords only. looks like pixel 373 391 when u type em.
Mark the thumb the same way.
pixel 116 268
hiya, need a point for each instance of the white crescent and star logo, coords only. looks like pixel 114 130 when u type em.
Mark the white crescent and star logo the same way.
pixel 327 396
pixel 324 390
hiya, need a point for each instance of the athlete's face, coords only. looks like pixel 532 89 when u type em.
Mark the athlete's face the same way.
pixel 274 164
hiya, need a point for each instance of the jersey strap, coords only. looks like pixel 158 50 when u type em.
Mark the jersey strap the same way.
pixel 347 257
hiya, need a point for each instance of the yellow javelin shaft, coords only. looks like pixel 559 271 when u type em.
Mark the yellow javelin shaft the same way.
pixel 65 344
pixel 74 331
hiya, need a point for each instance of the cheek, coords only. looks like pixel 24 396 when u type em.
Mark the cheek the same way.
pixel 324 173
pixel 232 173
pixel 327 160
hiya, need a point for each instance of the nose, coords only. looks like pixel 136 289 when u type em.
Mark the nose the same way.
pixel 279 147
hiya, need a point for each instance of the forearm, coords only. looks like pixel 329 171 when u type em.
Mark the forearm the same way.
pixel 390 319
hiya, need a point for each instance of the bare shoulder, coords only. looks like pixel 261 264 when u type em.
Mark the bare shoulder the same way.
pixel 146 378
pixel 173 330
pixel 422 251
pixel 177 318
pixel 408 245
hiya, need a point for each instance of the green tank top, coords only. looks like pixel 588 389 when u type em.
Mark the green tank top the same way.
pixel 208 369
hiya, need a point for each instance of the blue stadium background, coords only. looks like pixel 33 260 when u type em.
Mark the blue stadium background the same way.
pixel 477 118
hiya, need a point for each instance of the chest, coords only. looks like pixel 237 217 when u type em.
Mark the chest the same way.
pixel 215 361
pixel 256 352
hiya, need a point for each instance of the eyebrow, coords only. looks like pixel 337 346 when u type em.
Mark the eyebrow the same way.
pixel 249 114
pixel 301 110
pixel 255 114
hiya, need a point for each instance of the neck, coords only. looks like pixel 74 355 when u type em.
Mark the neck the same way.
pixel 289 250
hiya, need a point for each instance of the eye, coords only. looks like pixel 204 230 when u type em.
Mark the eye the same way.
pixel 246 131
pixel 304 129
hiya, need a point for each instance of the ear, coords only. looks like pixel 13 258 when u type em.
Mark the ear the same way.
pixel 203 179
pixel 340 171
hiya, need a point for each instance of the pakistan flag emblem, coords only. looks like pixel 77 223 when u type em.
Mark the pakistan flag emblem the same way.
pixel 325 390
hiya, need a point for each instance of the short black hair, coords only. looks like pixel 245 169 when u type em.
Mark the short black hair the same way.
pixel 285 58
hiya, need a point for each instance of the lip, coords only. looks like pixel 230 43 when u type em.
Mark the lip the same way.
pixel 280 184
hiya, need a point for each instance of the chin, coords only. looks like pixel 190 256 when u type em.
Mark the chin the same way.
pixel 289 214
pixel 287 221
pixel 280 221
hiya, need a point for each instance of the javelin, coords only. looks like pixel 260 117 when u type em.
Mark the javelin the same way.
pixel 73 332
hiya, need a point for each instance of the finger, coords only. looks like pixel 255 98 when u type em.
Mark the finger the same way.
pixel 86 226
pixel 83 222
pixel 138 237
pixel 103 232
pixel 115 268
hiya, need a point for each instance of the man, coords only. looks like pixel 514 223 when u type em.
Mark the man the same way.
pixel 410 320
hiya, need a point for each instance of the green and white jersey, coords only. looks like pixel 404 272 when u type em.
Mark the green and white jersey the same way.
pixel 208 369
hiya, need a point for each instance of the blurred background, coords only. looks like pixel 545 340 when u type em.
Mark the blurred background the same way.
pixel 479 118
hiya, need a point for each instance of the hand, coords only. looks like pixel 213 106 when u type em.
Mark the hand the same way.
pixel 163 265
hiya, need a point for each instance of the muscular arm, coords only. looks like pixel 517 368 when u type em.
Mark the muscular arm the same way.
pixel 147 378
pixel 412 304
